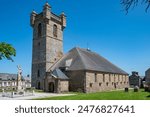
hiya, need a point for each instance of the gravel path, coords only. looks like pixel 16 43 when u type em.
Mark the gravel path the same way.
pixel 36 95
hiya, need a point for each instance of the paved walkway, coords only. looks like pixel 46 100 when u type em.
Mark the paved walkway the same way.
pixel 36 95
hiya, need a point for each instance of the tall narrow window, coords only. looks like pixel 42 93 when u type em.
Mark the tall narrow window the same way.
pixel 103 77
pixel 39 30
pixel 39 45
pixel 38 55
pixel 55 30
pixel 95 77
pixel 109 78
pixel 38 74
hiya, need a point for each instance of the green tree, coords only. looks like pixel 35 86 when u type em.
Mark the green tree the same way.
pixel 127 4
pixel 7 51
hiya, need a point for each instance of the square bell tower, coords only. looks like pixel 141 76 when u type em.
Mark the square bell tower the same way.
pixel 47 45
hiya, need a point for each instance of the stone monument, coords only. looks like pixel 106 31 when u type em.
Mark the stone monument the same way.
pixel 19 87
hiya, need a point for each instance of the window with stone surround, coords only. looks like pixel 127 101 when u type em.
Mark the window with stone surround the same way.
pixel 39 30
pixel 38 73
pixel 91 84
pixel 55 30
pixel 95 77
pixel 100 84
pixel 103 77
pixel 38 56
pixel 109 78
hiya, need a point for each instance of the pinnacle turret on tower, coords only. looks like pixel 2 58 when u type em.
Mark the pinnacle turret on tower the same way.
pixel 63 20
pixel 32 18
pixel 46 11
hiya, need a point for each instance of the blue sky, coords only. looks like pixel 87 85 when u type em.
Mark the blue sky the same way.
pixel 122 39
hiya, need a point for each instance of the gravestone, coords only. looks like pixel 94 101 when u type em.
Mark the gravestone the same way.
pixel 136 89
pixel 126 89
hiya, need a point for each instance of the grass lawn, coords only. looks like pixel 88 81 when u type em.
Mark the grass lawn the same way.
pixel 111 95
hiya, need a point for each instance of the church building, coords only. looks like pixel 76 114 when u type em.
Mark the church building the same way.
pixel 78 70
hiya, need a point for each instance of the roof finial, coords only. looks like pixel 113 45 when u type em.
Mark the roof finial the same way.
pixel 46 4
pixel 33 11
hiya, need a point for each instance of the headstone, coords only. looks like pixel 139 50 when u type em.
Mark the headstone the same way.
pixel 136 89
pixel 126 89
pixel 146 89
pixel 12 94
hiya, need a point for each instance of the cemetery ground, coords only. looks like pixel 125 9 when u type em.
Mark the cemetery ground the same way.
pixel 109 95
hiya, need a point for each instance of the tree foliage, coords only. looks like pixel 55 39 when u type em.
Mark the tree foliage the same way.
pixel 6 51
pixel 127 4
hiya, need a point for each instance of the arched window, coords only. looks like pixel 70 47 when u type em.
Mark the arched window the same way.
pixel 55 30
pixel 39 30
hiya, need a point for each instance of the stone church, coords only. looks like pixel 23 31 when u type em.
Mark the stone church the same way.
pixel 78 70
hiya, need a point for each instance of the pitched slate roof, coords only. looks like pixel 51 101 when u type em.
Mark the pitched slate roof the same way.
pixel 57 73
pixel 83 59
pixel 7 76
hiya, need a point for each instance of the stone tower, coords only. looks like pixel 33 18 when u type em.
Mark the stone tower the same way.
pixel 47 42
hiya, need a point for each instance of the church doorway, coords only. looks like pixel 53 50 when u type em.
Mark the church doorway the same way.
pixel 51 87
pixel 39 85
